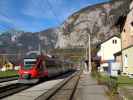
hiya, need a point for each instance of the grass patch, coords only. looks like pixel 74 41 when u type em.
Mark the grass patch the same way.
pixel 8 73
pixel 124 80
pixel 113 84
pixel 104 78
pixel 101 79
pixel 94 74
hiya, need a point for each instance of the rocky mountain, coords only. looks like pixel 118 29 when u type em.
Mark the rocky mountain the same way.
pixel 48 38
pixel 14 41
pixel 100 21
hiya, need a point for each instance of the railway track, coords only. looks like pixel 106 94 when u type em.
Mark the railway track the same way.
pixel 17 87
pixel 11 89
pixel 2 84
pixel 5 79
pixel 63 91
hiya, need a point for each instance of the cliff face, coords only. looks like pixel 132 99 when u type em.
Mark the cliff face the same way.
pixel 100 21
pixel 12 41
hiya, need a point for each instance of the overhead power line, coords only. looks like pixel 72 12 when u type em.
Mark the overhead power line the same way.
pixel 52 10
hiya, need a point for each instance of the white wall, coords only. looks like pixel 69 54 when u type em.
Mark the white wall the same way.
pixel 108 49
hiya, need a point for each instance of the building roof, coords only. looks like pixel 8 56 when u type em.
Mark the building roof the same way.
pixel 118 53
pixel 127 47
pixel 109 39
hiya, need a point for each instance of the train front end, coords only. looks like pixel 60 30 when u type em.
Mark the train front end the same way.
pixel 28 72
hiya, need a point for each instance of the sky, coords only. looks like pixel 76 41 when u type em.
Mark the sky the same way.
pixel 37 15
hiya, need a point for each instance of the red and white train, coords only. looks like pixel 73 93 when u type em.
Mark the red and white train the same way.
pixel 40 67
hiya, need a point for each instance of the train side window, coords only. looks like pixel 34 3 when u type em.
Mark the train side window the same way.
pixel 49 63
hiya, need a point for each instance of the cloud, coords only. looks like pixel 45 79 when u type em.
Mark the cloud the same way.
pixel 5 19
pixel 36 14
pixel 9 22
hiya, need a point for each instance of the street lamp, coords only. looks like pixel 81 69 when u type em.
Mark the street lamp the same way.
pixel 88 51
pixel 88 55
pixel 90 67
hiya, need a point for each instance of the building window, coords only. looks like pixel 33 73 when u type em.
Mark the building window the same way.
pixel 132 23
pixel 126 60
pixel 114 41
pixel 124 30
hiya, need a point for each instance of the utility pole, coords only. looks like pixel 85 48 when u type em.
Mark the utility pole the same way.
pixel 88 55
pixel 88 52
pixel 39 45
pixel 86 58
pixel 90 67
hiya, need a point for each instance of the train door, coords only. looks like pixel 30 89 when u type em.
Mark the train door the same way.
pixel 60 67
pixel 50 64
pixel 40 68
pixel 45 70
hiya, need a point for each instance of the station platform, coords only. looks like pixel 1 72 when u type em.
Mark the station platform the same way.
pixel 34 92
pixel 88 89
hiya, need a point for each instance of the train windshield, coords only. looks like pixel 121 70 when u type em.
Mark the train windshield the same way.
pixel 28 63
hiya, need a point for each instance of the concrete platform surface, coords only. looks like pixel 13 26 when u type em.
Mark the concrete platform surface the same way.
pixel 88 89
pixel 34 92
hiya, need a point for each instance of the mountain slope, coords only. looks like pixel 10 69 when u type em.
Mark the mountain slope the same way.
pixel 13 41
pixel 100 21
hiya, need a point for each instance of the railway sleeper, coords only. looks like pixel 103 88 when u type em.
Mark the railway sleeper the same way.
pixel 63 91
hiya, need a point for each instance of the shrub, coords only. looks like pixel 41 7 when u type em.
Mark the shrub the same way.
pixel 112 85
